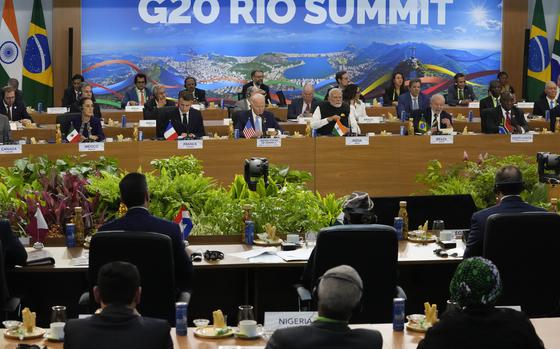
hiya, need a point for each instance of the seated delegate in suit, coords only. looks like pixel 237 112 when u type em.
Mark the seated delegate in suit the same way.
pixel 4 129
pixel 187 121
pixel 305 105
pixel 413 101
pixel 351 96
pixel 339 292
pixel 257 78
pixel 549 101
pixel 14 252
pixel 158 99
pixel 118 324
pixel 435 118
pixel 506 118
pixel 72 93
pixel 342 80
pixel 138 94
pixel 199 96
pixel 460 93
pixel 86 91
pixel 245 104
pixel 508 186
pixel 19 93
pixel 135 195
pixel 332 110
pixel 12 109
pixel 394 90
pixel 87 124
pixel 257 118
pixel 475 287
pixel 493 98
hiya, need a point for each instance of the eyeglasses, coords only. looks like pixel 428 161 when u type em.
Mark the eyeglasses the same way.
pixel 213 255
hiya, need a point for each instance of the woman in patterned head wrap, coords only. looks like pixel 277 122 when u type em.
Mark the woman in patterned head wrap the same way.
pixel 476 287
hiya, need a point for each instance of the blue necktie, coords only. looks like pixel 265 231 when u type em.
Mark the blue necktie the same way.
pixel 258 125
pixel 551 104
pixel 415 104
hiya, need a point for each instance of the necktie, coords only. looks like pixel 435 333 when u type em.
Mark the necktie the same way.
pixel 461 95
pixel 258 125
pixel 508 125
pixel 10 113
pixel 185 119
pixel 142 100
pixel 495 102
pixel 414 103
pixel 307 108
pixel 551 104
pixel 435 122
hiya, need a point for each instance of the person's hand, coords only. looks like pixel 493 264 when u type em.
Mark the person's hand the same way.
pixel 334 118
pixel 258 134
pixel 306 114
pixel 133 103
pixel 183 135
pixel 161 103
pixel 93 137
pixel 395 103
pixel 446 122
pixel 434 130
pixel 192 135
pixel 25 122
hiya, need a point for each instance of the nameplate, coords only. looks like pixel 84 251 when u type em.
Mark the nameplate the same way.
pixel 190 144
pixel 269 142
pixel 441 139
pixel 93 146
pixel 522 138
pixel 525 105
pixel 370 119
pixel 274 320
pixel 196 106
pixel 11 149
pixel 357 140
pixel 227 121
pixel 474 105
pixel 134 108
pixel 57 110
pixel 147 123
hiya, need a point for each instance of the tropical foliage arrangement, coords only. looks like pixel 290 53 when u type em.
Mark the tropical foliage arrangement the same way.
pixel 58 186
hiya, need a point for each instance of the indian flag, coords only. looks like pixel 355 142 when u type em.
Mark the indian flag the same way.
pixel 11 61
pixel 73 136
pixel 339 129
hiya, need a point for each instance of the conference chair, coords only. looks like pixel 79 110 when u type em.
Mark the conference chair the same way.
pixel 524 248
pixel 281 99
pixel 371 249
pixel 11 306
pixel 484 116
pixel 454 210
pixel 65 120
pixel 152 254
pixel 162 117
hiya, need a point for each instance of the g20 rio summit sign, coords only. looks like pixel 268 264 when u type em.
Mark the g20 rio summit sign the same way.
pixel 219 42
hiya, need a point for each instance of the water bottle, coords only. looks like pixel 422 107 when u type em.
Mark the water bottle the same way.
pixel 470 116
pixel 547 115
pixel 40 107
pixel 123 121
pixel 236 133
pixel 403 116
pixel 381 101
pixel 313 133
pixel 181 318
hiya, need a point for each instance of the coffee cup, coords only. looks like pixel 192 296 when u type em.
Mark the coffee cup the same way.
pixel 446 235
pixel 248 328
pixel 292 238
pixel 57 330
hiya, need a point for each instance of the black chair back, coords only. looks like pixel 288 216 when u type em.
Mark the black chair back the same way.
pixel 235 116
pixel 524 248
pixel 3 283
pixel 371 249
pixel 65 120
pixel 153 256
pixel 163 116
pixel 455 210
pixel 484 116
pixel 281 98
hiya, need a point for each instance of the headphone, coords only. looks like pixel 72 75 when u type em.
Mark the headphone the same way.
pixel 342 277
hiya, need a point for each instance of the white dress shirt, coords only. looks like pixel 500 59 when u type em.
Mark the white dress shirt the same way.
pixel 317 122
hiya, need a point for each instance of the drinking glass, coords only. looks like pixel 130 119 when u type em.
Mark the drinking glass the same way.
pixel 58 313
pixel 245 313
pixel 438 226
pixel 310 239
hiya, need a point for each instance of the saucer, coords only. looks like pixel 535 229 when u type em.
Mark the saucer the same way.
pixel 48 337
pixel 243 336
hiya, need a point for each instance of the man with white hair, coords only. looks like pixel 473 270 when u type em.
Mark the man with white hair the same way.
pixel 256 122
pixel 339 292
pixel 435 118
pixel 245 104
pixel 158 99
pixel 331 112
pixel 305 105
pixel 549 101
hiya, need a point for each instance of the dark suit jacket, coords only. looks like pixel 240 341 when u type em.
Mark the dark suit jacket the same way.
pixel 486 103
pixel 69 97
pixel 325 335
pixel 428 118
pixel 130 95
pixel 453 94
pixel 117 327
pixel 510 204
pixel 4 129
pixel 492 119
pixel 19 111
pixel 294 109
pixel 151 105
pixel 195 125
pixel 75 108
pixel 14 252
pixel 267 117
pixel 95 124
pixel 389 92
pixel 139 219
pixel 405 103
pixel 541 106
pixel 482 329
pixel 263 87
pixel 200 96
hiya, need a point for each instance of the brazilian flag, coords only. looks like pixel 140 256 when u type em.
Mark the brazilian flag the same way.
pixel 37 65
pixel 538 66
pixel 422 126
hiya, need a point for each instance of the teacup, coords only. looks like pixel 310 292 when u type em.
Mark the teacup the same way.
pixel 446 235
pixel 292 238
pixel 57 330
pixel 248 328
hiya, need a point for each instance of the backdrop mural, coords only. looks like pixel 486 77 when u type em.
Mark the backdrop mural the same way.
pixel 292 41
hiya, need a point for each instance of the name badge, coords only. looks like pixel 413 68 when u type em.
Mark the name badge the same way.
pixel 370 119
pixel 474 105
pixel 357 140
pixel 57 110
pixel 93 146
pixel 134 108
pixel 269 142
pixel 190 144
pixel 441 139
pixel 274 320
pixel 11 149
pixel 522 138
pixel 147 123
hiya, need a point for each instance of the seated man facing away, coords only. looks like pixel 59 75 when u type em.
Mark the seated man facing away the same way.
pixel 508 185
pixel 475 287
pixel 134 194
pixel 117 324
pixel 339 293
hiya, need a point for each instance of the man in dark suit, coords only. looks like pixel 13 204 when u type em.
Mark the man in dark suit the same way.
pixel 199 95
pixel 118 324
pixel 72 93
pixel 12 109
pixel 493 98
pixel 158 100
pixel 19 93
pixel 460 93
pixel 435 117
pixel 187 121
pixel 305 105
pixel 339 292
pixel 549 101
pixel 14 252
pixel 257 78
pixel 413 100
pixel 504 119
pixel 508 185
pixel 342 80
pixel 86 91
pixel 134 194
pixel 137 94
pixel 257 118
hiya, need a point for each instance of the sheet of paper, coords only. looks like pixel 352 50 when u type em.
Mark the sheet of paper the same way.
pixel 266 258
pixel 301 254
pixel 254 252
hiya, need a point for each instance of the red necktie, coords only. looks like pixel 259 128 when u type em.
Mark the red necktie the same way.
pixel 142 101
pixel 508 126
